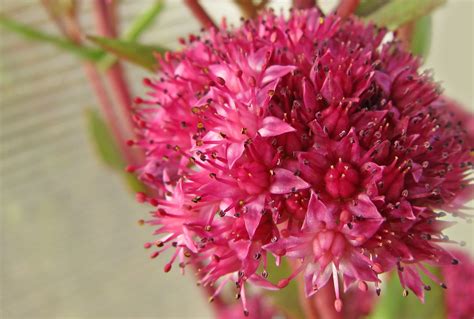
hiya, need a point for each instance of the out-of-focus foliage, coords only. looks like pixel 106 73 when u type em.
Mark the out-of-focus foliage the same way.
pixel 59 42
pixel 140 54
pixel 287 299
pixel 103 142
pixel 366 7
pixel 421 37
pixel 106 147
pixel 394 305
pixel 396 13
pixel 139 25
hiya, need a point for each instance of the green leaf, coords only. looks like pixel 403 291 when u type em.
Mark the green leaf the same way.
pixel 421 38
pixel 138 26
pixel 133 183
pixel 103 141
pixel 366 7
pixel 107 148
pixel 136 53
pixel 398 12
pixel 34 34
pixel 286 299
pixel 393 305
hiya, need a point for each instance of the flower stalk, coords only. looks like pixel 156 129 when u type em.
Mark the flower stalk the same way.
pixel 347 7
pixel 104 13
pixel 304 4
pixel 249 9
pixel 69 26
pixel 200 14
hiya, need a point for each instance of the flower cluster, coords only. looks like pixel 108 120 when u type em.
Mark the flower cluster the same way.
pixel 308 138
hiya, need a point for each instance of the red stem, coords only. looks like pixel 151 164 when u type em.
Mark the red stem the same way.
pixel 115 74
pixel 249 9
pixel 346 7
pixel 200 14
pixel 69 25
pixel 107 109
pixel 405 34
pixel 304 4
pixel 307 304
pixel 324 302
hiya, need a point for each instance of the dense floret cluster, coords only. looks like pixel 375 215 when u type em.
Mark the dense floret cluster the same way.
pixel 308 138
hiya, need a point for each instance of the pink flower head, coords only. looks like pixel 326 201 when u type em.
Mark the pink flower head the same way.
pixel 307 138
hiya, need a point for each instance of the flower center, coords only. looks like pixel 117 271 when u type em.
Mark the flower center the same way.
pixel 341 180
pixel 254 178
pixel 328 246
pixel 297 204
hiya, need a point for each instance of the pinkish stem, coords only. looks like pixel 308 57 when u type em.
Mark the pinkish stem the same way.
pixel 346 7
pixel 304 4
pixel 104 16
pixel 307 304
pixel 249 9
pixel 405 34
pixel 324 302
pixel 68 25
pixel 107 109
pixel 200 14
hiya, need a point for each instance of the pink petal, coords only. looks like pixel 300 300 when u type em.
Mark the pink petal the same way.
pixel 285 182
pixel 273 126
pixel 188 240
pixel 253 215
pixel 416 172
pixel 308 279
pixel 384 81
pixel 358 267
pixel 241 248
pixel 369 223
pixel 317 213
pixel 262 282
pixel 404 210
pixel 257 60
pixel 275 72
pixel 331 90
pixel 309 96
pixel 409 278
pixel 234 152
pixel 363 207
pixel 322 277
pixel 293 246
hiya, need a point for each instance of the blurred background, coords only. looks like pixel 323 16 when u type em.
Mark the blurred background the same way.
pixel 70 245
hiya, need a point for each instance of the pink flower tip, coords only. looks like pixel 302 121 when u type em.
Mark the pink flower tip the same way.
pixel 138 100
pixel 338 305
pixel 363 286
pixel 130 168
pixel 377 268
pixel 141 197
pixel 283 283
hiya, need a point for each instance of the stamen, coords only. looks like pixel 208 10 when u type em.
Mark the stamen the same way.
pixel 338 301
